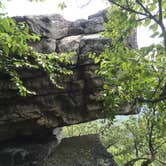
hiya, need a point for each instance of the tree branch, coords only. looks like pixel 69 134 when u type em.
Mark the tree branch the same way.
pixel 111 144
pixel 131 162
pixel 127 8
pixel 155 149
pixel 150 142
pixel 85 4
pixel 161 24
pixel 153 101
pixel 147 11
pixel 161 162
pixel 160 10
pixel 160 80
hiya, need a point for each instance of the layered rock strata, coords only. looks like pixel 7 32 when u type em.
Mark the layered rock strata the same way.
pixel 29 132
pixel 52 107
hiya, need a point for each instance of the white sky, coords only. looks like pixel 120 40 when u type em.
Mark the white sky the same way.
pixel 72 12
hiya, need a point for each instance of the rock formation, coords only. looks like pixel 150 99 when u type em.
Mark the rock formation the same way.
pixel 84 150
pixel 53 107
pixel 37 115
pixel 75 151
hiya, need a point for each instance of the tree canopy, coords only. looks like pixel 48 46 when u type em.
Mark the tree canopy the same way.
pixel 135 76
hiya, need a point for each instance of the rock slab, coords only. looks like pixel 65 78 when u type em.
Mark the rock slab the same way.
pixel 85 150
pixel 52 107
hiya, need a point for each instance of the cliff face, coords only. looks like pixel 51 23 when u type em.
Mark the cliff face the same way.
pixel 75 151
pixel 53 107
pixel 24 120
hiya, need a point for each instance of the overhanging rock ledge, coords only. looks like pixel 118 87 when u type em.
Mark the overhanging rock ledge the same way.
pixel 26 123
pixel 53 107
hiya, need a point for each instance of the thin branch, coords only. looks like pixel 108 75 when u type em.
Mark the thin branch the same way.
pixel 163 93
pixel 111 144
pixel 152 100
pixel 147 11
pixel 161 162
pixel 131 162
pixel 155 149
pixel 128 8
pixel 147 162
pixel 150 142
pixel 160 80
pixel 141 19
pixel 85 4
pixel 127 2
pixel 161 24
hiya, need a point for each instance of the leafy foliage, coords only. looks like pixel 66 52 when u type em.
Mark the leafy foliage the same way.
pixel 134 76
pixel 142 141
pixel 131 141
pixel 62 5
pixel 16 54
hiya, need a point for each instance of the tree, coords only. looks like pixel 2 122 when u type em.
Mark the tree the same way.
pixel 141 142
pixel 138 141
pixel 147 141
pixel 134 76
pixel 146 11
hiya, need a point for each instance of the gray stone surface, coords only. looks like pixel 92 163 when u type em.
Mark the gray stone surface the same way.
pixel 29 132
pixel 27 151
pixel 49 26
pixel 84 150
pixel 52 107
pixel 46 45
pixel 75 151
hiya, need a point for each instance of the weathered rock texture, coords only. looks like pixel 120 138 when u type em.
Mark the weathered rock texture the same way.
pixel 27 151
pixel 81 151
pixel 53 107
pixel 27 123
pixel 74 151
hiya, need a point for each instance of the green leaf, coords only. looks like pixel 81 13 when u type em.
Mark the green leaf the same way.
pixel 153 27
pixel 147 22
pixel 62 5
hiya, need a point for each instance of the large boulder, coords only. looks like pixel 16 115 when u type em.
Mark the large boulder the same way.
pixel 84 150
pixel 52 107
pixel 27 151
pixel 29 126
